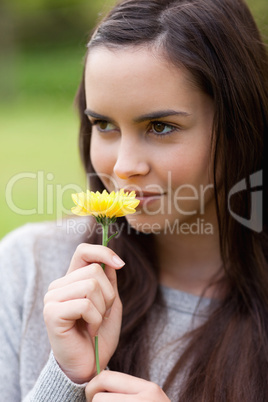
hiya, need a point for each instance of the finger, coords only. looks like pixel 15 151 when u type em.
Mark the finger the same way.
pixel 94 271
pixel 87 272
pixel 111 381
pixel 85 289
pixel 108 397
pixel 88 253
pixel 112 277
pixel 63 315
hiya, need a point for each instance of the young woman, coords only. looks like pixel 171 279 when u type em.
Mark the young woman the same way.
pixel 173 104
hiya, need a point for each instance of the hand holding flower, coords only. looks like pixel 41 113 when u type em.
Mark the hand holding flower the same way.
pixel 75 309
pixel 106 208
pixel 76 306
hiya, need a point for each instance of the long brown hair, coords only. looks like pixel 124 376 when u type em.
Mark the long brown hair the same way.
pixel 218 42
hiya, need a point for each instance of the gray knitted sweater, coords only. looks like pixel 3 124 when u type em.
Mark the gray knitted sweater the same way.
pixel 31 257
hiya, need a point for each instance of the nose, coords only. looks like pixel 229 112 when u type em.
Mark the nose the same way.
pixel 131 159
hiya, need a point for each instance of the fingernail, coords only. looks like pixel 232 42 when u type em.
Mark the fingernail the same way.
pixel 118 261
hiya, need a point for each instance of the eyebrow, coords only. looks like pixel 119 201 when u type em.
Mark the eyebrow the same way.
pixel 145 117
pixel 89 112
pixel 159 114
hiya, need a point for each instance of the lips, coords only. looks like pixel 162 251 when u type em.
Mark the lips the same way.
pixel 144 194
pixel 146 197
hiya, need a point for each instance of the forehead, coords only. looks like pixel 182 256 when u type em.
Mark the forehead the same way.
pixel 135 63
pixel 137 77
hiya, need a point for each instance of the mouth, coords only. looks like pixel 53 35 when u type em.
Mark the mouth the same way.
pixel 146 197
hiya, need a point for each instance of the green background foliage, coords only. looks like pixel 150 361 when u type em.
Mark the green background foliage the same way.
pixel 42 45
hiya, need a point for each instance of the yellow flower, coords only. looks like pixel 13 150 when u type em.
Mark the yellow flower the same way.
pixel 105 205
pixel 106 208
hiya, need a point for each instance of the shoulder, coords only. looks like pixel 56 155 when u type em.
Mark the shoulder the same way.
pixel 72 230
pixel 47 246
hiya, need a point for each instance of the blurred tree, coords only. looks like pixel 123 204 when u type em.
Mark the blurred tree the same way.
pixel 259 9
pixel 50 22
pixel 38 27
pixel 7 52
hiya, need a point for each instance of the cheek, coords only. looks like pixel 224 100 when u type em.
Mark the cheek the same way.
pixel 191 168
pixel 102 161
pixel 95 158
pixel 97 155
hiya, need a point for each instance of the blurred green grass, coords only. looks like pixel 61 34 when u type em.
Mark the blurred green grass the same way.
pixel 39 130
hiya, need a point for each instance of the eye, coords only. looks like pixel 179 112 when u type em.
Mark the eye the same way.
pixel 158 127
pixel 104 126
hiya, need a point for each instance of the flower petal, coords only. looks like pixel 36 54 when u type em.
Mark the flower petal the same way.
pixel 103 204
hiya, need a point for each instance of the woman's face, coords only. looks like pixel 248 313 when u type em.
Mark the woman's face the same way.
pixel 151 132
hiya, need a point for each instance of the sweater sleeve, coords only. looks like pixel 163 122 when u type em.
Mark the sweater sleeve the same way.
pixel 19 274
pixel 11 296
pixel 54 385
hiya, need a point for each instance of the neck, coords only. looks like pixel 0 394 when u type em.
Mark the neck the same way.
pixel 189 262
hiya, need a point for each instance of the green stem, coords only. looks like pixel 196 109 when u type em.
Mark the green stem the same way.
pixel 97 354
pixel 113 235
pixel 105 229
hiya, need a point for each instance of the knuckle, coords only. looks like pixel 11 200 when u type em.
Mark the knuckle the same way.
pixel 98 319
pixel 86 305
pixel 88 309
pixel 48 311
pixel 102 377
pixel 52 285
pixel 88 287
pixel 155 389
pixel 46 298
pixel 110 297
pixel 81 248
pixel 95 268
pixel 92 285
